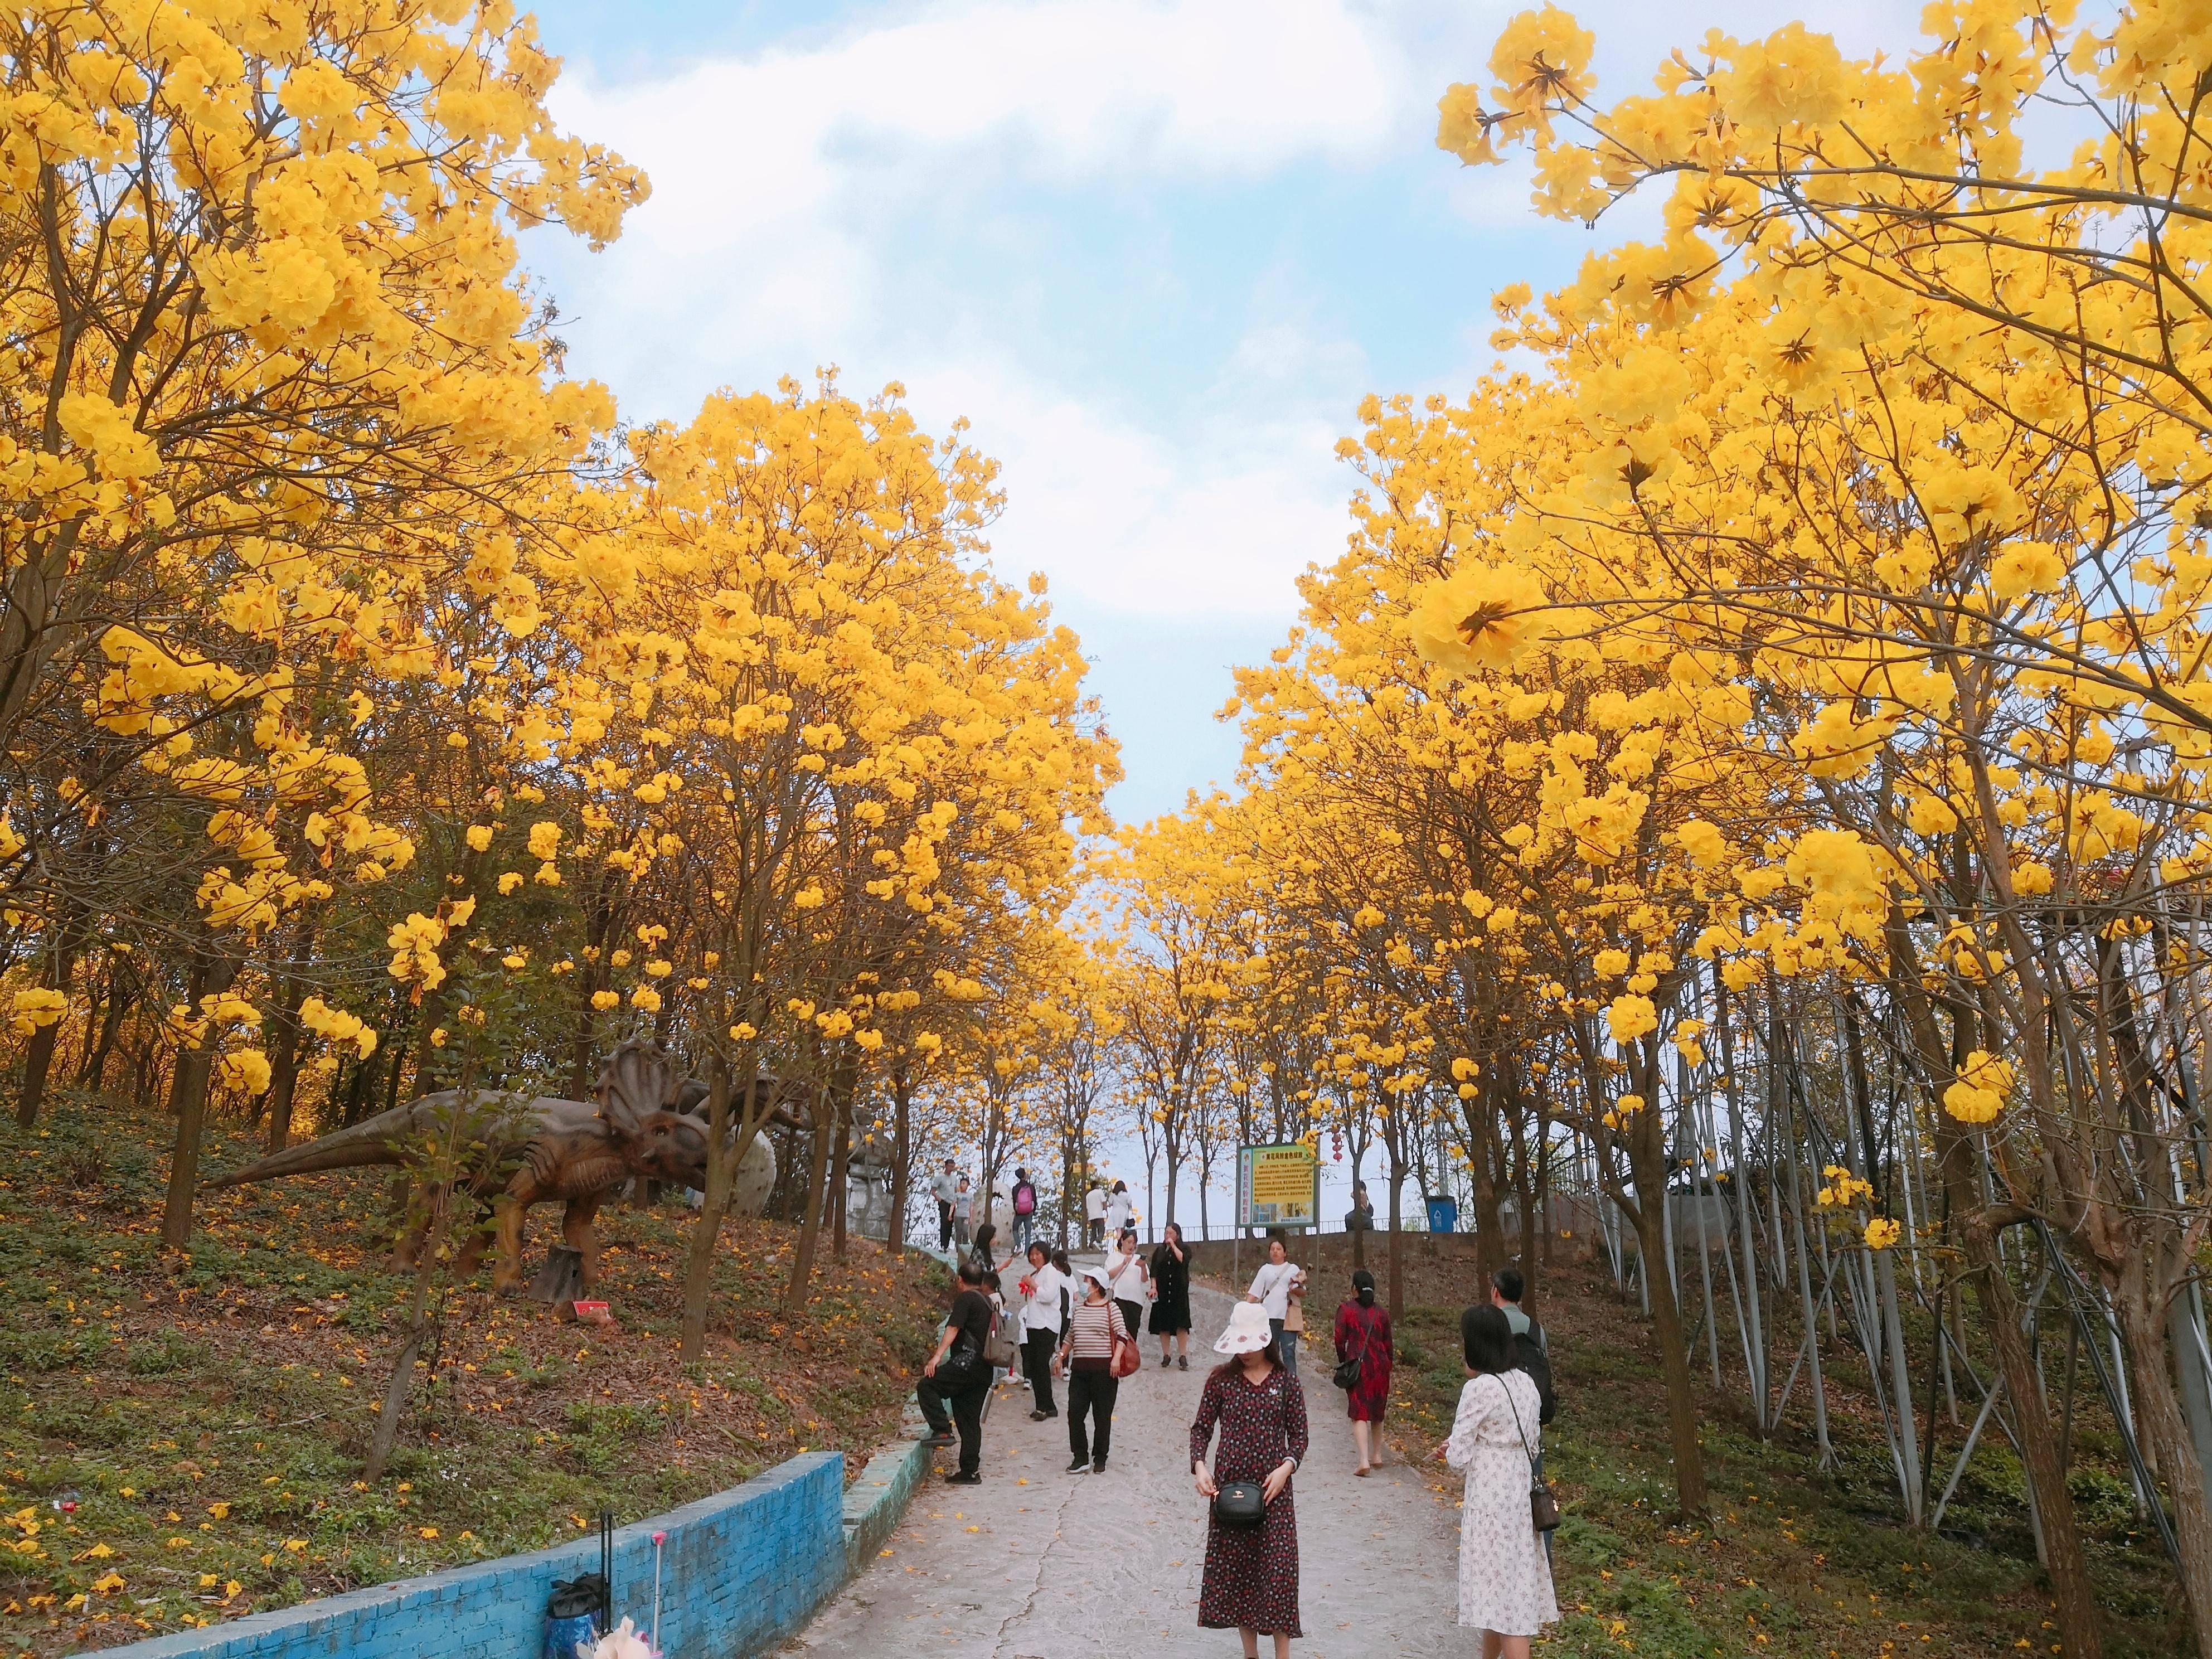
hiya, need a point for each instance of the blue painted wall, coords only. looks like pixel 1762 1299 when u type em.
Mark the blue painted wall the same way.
pixel 741 1571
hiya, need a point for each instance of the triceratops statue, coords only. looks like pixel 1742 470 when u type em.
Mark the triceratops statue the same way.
pixel 642 1124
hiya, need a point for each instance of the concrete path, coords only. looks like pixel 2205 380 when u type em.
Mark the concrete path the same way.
pixel 1038 1564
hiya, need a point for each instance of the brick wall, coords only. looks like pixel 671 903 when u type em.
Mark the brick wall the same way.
pixel 741 1571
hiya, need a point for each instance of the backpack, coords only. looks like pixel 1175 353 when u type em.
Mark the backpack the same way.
pixel 1025 1199
pixel 1528 1356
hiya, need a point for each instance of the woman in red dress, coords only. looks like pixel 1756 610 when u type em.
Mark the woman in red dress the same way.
pixel 1364 1328
pixel 1251 1580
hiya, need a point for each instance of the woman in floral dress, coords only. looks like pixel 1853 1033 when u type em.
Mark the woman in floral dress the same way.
pixel 1505 1580
pixel 1363 1329
pixel 1251 1579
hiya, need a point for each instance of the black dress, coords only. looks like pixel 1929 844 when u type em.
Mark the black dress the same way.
pixel 1251 1577
pixel 1171 1291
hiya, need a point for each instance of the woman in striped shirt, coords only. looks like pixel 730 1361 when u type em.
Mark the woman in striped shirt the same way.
pixel 1086 1355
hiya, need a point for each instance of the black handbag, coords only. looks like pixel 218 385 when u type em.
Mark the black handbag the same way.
pixel 1543 1503
pixel 1346 1374
pixel 1240 1504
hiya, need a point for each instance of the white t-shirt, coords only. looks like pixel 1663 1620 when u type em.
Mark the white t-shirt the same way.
pixel 1118 1211
pixel 1094 1205
pixel 1129 1272
pixel 1040 1308
pixel 1271 1285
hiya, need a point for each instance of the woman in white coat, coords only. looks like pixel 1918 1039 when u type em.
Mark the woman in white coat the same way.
pixel 1504 1579
pixel 1044 1294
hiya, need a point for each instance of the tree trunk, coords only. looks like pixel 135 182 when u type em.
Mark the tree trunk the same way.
pixel 2035 1438
pixel 1358 1234
pixel 93 1073
pixel 901 1160
pixel 1397 1241
pixel 39 1056
pixel 840 1171
pixel 707 1229
pixel 809 1230
pixel 38 1061
pixel 2159 1421
pixel 1957 1156
pixel 1647 1160
pixel 211 976
pixel 284 1064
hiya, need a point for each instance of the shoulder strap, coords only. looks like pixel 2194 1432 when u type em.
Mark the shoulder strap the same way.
pixel 1517 1429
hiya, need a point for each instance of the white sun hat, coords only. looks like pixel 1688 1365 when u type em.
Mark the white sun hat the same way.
pixel 1099 1276
pixel 1248 1329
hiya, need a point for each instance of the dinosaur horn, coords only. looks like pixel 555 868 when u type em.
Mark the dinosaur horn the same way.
pixel 638 1080
pixel 367 1142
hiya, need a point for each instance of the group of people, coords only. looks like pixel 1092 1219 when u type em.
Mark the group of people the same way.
pixel 1107 1209
pixel 1059 1323
pixel 1256 1407
pixel 1082 1325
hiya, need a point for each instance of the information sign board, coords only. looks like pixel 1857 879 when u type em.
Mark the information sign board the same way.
pixel 1278 1186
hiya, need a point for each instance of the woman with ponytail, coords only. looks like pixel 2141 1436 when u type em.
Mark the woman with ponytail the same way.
pixel 1363 1335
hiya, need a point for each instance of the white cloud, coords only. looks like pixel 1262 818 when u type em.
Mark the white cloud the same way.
pixel 1126 518
pixel 884 200
pixel 1068 89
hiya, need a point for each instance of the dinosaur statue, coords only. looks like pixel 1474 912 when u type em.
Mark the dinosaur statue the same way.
pixel 521 1152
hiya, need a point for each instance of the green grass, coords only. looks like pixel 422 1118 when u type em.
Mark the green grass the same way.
pixel 206 1410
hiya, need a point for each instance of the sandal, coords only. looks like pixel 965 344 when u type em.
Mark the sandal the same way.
pixel 1361 1471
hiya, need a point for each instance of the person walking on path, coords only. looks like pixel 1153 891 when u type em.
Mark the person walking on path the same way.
pixel 1086 1354
pixel 1504 1579
pixel 984 1253
pixel 1363 1333
pixel 1125 1271
pixel 1094 1216
pixel 1120 1207
pixel 1250 1583
pixel 1025 1200
pixel 1171 1295
pixel 963 1200
pixel 942 1186
pixel 1506 1286
pixel 1531 1347
pixel 957 1376
pixel 1044 1314
pixel 1279 1280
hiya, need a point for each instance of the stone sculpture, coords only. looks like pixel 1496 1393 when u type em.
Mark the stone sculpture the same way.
pixel 644 1122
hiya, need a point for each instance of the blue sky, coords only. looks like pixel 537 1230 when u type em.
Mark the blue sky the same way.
pixel 1155 251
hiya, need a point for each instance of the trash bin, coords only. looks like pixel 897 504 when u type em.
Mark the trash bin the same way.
pixel 1443 1213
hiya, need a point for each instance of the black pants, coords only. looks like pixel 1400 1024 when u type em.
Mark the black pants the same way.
pixel 967 1414
pixel 1092 1392
pixel 944 1226
pixel 1037 1365
pixel 1133 1315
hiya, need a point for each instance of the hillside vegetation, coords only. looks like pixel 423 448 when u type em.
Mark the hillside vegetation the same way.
pixel 206 1411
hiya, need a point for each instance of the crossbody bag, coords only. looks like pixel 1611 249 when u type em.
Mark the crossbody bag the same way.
pixel 1543 1503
